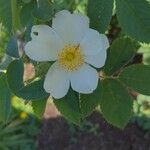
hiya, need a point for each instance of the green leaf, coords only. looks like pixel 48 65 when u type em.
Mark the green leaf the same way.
pixel 69 107
pixel 120 53
pixel 39 107
pixel 12 47
pixel 134 18
pixel 15 72
pixel 42 68
pixel 28 32
pixel 100 13
pixel 115 103
pixel 44 10
pixel 31 91
pixel 88 102
pixel 137 77
pixel 5 14
pixel 26 13
pixel 5 99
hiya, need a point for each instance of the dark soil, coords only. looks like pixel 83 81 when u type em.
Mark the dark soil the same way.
pixel 57 135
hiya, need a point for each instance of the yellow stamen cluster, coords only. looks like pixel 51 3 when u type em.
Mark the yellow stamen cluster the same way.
pixel 71 57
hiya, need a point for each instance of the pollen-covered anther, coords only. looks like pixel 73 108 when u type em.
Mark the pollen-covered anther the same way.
pixel 71 57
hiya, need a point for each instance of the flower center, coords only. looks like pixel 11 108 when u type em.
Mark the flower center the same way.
pixel 71 57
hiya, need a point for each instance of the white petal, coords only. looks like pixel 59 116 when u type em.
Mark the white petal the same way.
pixel 85 79
pixel 71 27
pixel 97 60
pixel 57 81
pixel 45 44
pixel 94 42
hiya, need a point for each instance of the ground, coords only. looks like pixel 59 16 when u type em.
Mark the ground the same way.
pixel 57 134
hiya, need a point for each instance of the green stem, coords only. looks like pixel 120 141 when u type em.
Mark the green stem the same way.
pixel 15 15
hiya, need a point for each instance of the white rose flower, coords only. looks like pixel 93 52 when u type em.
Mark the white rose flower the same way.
pixel 74 47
